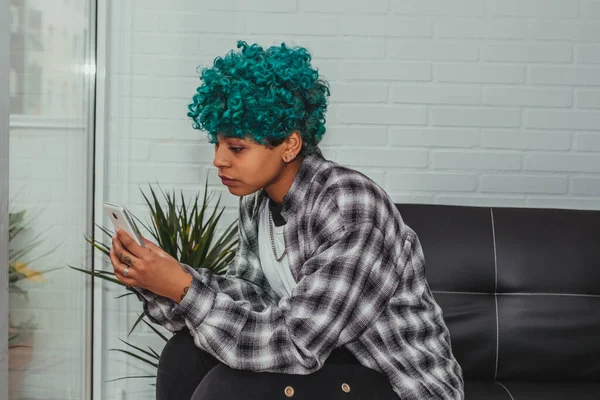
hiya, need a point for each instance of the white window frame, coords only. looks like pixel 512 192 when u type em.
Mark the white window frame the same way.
pixel 100 35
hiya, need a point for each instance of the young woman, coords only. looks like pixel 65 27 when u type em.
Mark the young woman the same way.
pixel 326 296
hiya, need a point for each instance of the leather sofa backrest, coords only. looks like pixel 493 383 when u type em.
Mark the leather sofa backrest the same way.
pixel 519 288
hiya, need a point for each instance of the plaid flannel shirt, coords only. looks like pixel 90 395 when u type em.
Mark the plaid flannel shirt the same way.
pixel 361 284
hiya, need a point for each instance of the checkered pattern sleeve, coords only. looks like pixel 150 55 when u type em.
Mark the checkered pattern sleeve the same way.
pixel 157 307
pixel 244 282
pixel 353 278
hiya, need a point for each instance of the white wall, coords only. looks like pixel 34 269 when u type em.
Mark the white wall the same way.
pixel 474 102
pixel 456 101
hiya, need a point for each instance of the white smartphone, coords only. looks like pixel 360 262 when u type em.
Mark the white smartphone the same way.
pixel 120 218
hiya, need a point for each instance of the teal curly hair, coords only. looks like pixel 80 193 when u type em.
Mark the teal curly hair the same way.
pixel 264 95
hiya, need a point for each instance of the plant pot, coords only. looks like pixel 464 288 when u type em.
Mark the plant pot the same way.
pixel 20 354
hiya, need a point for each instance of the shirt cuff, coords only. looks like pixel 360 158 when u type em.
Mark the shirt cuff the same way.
pixel 196 304
pixel 142 294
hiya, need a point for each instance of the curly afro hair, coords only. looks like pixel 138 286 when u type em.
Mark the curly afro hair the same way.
pixel 264 95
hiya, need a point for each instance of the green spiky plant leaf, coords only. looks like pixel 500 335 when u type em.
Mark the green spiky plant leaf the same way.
pixel 20 270
pixel 188 232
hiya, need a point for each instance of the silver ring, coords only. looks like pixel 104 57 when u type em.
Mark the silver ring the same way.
pixel 126 272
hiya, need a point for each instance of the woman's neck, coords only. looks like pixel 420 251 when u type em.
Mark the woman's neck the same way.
pixel 278 189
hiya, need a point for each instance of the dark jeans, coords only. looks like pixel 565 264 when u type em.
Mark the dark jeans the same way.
pixel 186 372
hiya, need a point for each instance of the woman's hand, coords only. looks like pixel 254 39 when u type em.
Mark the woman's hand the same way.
pixel 148 267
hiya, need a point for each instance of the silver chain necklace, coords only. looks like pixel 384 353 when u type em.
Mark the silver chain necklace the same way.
pixel 271 223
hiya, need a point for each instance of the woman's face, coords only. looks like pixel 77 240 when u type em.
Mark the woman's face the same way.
pixel 245 166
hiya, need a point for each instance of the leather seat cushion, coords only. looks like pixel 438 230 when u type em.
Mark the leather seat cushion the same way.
pixel 475 390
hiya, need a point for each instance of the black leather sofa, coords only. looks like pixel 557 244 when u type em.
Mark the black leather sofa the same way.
pixel 520 291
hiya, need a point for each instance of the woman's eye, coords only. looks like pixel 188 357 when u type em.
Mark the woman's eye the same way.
pixel 236 149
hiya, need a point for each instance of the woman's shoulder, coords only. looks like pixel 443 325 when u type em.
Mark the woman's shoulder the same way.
pixel 351 193
pixel 341 181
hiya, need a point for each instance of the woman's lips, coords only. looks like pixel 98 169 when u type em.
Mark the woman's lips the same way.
pixel 227 181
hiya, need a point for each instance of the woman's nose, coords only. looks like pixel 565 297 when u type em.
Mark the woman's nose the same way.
pixel 220 159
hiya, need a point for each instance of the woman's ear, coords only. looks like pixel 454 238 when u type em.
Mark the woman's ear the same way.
pixel 292 147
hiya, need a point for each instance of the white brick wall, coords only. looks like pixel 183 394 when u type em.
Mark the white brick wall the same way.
pixel 475 102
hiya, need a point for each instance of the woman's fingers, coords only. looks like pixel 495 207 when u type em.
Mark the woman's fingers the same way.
pixel 149 245
pixel 130 244
pixel 123 254
pixel 119 269
pixel 154 249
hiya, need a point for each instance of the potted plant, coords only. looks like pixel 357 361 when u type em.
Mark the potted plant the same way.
pixel 188 232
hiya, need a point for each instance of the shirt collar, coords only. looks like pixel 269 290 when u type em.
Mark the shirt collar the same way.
pixel 297 192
